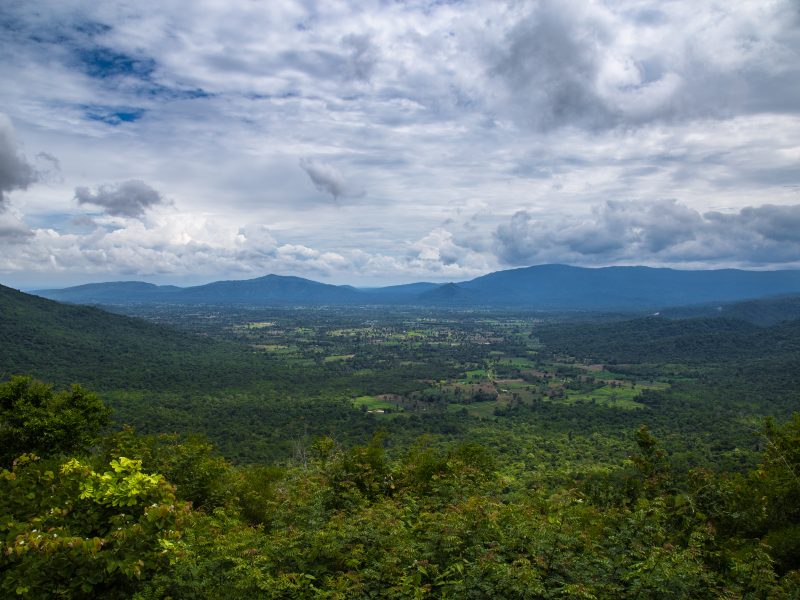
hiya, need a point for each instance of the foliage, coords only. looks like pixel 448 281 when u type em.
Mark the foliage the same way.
pixel 69 531
pixel 35 419
pixel 501 467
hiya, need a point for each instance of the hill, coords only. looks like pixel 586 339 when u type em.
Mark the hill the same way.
pixel 113 292
pixel 662 340
pixel 763 311
pixel 66 344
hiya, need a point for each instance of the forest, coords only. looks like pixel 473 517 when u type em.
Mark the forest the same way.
pixel 404 452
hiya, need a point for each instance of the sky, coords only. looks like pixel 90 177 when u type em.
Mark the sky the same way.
pixel 374 142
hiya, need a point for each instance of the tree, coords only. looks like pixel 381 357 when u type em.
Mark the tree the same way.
pixel 71 532
pixel 34 419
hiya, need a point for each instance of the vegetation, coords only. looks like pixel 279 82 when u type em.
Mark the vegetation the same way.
pixel 352 523
pixel 366 453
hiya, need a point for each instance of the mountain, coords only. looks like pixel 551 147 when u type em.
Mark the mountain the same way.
pixel 625 288
pixel 114 292
pixel 543 287
pixel 451 294
pixel 64 344
pixel 270 289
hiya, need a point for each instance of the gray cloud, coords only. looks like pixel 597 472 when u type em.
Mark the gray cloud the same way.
pixel 593 66
pixel 127 199
pixel 775 223
pixel 11 234
pixel 363 56
pixel 658 231
pixel 550 68
pixel 15 171
pixel 328 179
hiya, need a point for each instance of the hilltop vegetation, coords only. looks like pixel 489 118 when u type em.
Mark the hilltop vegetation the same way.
pixel 67 344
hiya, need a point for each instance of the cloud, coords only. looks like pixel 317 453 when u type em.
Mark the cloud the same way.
pixel 127 199
pixel 549 64
pixel 603 65
pixel 663 231
pixel 13 230
pixel 443 253
pixel 363 56
pixel 15 171
pixel 327 178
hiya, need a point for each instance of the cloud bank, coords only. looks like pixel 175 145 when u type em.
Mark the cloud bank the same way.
pixel 663 232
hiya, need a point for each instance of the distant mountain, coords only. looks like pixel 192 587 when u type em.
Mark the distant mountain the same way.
pixel 625 288
pixel 114 292
pixel 65 344
pixel 451 294
pixel 543 287
pixel 270 289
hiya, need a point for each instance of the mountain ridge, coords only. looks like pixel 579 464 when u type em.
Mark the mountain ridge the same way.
pixel 539 287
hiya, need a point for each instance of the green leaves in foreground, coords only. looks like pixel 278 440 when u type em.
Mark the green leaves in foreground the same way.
pixel 69 531
pixel 165 517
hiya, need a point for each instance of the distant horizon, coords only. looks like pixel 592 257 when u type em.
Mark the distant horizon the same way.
pixel 371 287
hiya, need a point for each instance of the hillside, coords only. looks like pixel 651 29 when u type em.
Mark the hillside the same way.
pixel 688 341
pixel 763 311
pixel 66 344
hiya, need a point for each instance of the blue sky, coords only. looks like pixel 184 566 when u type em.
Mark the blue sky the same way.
pixel 381 142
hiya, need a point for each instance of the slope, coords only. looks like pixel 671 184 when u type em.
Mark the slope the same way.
pixel 65 344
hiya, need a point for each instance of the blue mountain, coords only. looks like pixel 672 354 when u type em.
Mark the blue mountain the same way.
pixel 543 287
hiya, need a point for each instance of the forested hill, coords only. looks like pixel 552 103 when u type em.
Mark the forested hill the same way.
pixel 687 341
pixel 763 311
pixel 66 344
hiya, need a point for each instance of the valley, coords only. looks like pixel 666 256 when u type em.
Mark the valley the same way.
pixel 286 423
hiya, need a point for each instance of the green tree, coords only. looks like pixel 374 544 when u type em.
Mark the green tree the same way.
pixel 69 531
pixel 34 419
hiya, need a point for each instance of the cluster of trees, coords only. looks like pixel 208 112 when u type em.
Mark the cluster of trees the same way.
pixel 118 515
pixel 690 341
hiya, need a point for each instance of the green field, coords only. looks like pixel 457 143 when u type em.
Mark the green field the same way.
pixel 374 403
